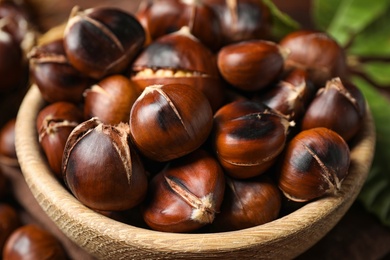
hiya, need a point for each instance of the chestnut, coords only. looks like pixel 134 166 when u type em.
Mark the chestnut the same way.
pixel 102 40
pixel 251 65
pixel 242 20
pixel 248 203
pixel 9 221
pixel 7 144
pixel 101 168
pixel 179 58
pixel 290 96
pixel 167 16
pixel 4 186
pixel 110 99
pixel 33 242
pixel 315 163
pixel 337 97
pixel 54 124
pixel 248 137
pixel 170 121
pixel 186 195
pixel 317 52
pixel 55 77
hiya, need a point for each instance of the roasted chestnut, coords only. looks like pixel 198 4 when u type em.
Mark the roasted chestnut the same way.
pixel 317 52
pixel 186 195
pixel 251 65
pixel 55 77
pixel 54 124
pixel 315 163
pixel 9 221
pixel 170 121
pixel 110 99
pixel 179 58
pixel 248 137
pixel 101 168
pixel 103 40
pixel 242 20
pixel 248 203
pixel 33 242
pixel 339 106
pixel 167 16
pixel 7 144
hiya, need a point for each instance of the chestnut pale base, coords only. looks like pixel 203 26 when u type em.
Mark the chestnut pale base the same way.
pixel 104 238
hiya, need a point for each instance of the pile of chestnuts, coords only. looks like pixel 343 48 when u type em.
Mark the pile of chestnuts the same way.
pixel 187 116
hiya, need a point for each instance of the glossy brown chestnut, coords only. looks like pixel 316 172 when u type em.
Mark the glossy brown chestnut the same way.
pixel 290 96
pixel 101 168
pixel 339 106
pixel 54 124
pixel 7 144
pixel 55 77
pixel 170 121
pixel 315 164
pixel 248 203
pixel 167 16
pixel 110 99
pixel 186 195
pixel 9 221
pixel 33 242
pixel 248 137
pixel 103 40
pixel 317 53
pixel 242 20
pixel 251 65
pixel 179 58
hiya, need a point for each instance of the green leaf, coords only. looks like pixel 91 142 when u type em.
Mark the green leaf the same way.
pixel 282 24
pixel 378 72
pixel 375 194
pixel 323 12
pixel 353 16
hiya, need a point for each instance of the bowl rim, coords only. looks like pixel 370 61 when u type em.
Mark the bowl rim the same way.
pixel 105 238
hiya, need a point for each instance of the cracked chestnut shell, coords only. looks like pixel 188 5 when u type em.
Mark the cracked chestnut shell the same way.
pixel 339 106
pixel 55 77
pixel 179 58
pixel 54 124
pixel 101 168
pixel 251 65
pixel 248 137
pixel 186 195
pixel 102 40
pixel 248 203
pixel 315 163
pixel 110 99
pixel 317 52
pixel 170 121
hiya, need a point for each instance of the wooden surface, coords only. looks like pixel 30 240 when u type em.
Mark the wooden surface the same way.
pixel 286 237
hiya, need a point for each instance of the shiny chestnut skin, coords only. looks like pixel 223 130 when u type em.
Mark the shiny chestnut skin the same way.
pixel 7 144
pixel 315 163
pixel 179 58
pixel 248 137
pixel 54 124
pixel 55 77
pixel 170 121
pixel 9 221
pixel 167 16
pixel 103 40
pixel 251 65
pixel 110 99
pixel 316 52
pixel 101 168
pixel 32 242
pixel 339 106
pixel 248 203
pixel 242 20
pixel 290 96
pixel 186 195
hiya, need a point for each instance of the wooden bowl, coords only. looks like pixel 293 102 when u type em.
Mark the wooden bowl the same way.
pixel 104 238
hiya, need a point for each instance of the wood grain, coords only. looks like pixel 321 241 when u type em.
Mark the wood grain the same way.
pixel 104 238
